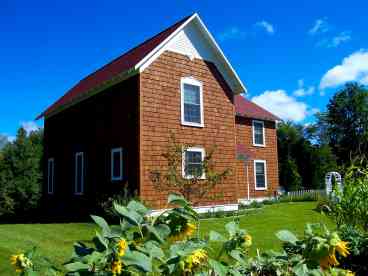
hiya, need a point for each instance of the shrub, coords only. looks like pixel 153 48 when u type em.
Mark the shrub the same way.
pixel 169 244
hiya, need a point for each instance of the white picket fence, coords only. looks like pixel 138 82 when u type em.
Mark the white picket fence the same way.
pixel 301 193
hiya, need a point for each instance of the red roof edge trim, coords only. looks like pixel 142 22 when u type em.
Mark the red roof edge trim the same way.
pixel 111 70
pixel 248 109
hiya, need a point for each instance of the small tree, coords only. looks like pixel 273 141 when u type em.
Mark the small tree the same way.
pixel 193 188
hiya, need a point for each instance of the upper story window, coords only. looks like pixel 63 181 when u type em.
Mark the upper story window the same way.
pixel 50 175
pixel 260 174
pixel 258 133
pixel 191 102
pixel 193 163
pixel 79 173
pixel 116 164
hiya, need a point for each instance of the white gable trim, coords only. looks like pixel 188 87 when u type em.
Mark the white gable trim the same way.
pixel 237 85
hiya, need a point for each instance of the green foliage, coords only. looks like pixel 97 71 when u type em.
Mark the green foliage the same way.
pixel 345 123
pixel 168 245
pixel 350 206
pixel 358 245
pixel 194 188
pixel 20 173
pixel 302 164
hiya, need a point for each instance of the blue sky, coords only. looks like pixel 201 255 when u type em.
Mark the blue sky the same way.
pixel 292 55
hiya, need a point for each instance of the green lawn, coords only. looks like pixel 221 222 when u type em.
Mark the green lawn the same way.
pixel 55 240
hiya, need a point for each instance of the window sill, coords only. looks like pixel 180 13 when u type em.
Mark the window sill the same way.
pixel 192 124
pixel 261 189
pixel 192 177
pixel 259 145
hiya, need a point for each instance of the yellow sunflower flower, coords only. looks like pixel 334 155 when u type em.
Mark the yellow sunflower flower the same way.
pixel 195 260
pixel 187 231
pixel 122 247
pixel 342 248
pixel 20 262
pixel 350 273
pixel 117 267
pixel 247 240
pixel 329 260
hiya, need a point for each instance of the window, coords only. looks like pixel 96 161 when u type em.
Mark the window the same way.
pixel 193 163
pixel 260 174
pixel 116 164
pixel 79 173
pixel 50 175
pixel 191 102
pixel 258 133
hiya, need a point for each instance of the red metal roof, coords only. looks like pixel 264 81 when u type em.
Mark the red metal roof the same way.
pixel 246 108
pixel 119 65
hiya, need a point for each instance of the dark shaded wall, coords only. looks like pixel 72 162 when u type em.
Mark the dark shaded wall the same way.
pixel 94 126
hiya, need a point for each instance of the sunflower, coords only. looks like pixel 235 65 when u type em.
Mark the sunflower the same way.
pixel 20 262
pixel 186 231
pixel 116 267
pixel 247 240
pixel 122 247
pixel 342 248
pixel 329 260
pixel 195 260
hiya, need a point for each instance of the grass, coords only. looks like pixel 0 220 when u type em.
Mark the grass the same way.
pixel 56 240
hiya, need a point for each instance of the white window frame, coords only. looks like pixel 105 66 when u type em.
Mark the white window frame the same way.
pixel 120 151
pixel 255 174
pixel 50 180
pixel 193 149
pixel 254 134
pixel 76 175
pixel 191 81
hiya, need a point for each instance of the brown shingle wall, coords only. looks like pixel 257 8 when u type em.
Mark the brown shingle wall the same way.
pixel 160 113
pixel 268 153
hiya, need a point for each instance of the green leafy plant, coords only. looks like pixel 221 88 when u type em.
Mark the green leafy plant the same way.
pixel 169 244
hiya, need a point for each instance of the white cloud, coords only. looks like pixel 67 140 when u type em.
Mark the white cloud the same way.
pixel 364 80
pixel 29 126
pixel 282 105
pixel 232 33
pixel 303 91
pixel 268 27
pixel 352 68
pixel 320 26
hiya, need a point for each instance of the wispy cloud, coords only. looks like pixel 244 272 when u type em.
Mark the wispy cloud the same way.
pixel 340 38
pixel 352 68
pixel 303 91
pixel 232 33
pixel 320 26
pixel 268 27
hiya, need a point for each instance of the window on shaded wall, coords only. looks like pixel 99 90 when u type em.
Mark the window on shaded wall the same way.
pixel 116 164
pixel 191 102
pixel 50 175
pixel 193 163
pixel 258 133
pixel 260 174
pixel 79 173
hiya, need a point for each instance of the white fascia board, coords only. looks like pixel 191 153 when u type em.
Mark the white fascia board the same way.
pixel 155 53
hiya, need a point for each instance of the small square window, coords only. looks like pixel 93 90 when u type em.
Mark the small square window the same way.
pixel 193 163
pixel 116 164
pixel 260 174
pixel 258 133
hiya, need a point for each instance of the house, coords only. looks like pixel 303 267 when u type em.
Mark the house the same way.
pixel 111 128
